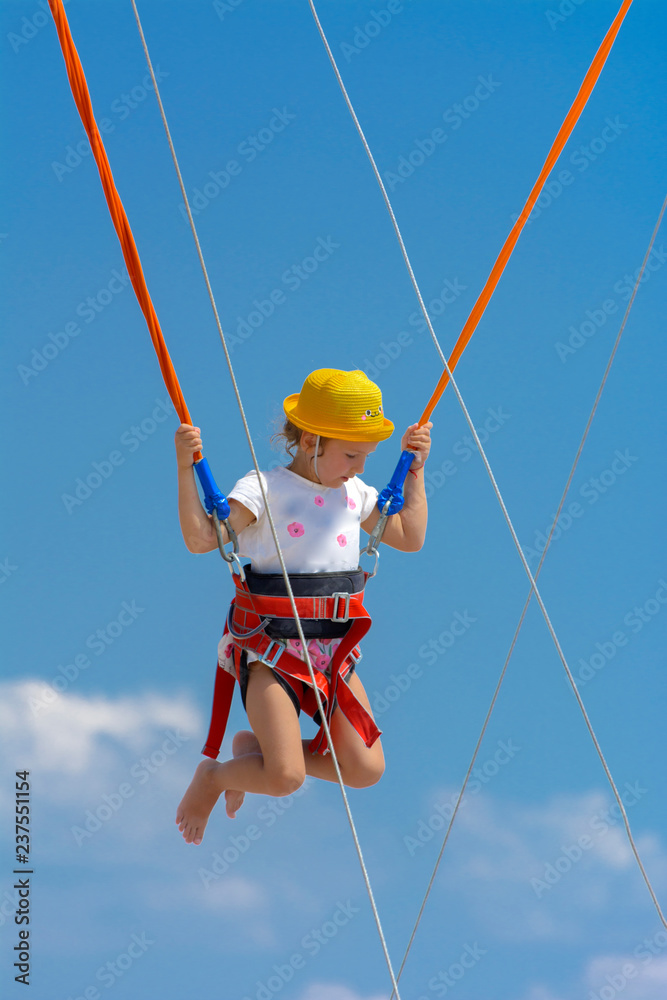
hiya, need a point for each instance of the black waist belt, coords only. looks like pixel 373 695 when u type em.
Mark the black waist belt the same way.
pixel 306 585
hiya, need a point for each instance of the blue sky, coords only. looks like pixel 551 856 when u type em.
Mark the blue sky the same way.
pixel 111 625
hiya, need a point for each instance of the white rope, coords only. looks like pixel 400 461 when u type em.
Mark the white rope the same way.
pixel 533 585
pixel 317 449
pixel 523 615
pixel 268 512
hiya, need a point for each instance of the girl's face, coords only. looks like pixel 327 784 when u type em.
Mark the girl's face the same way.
pixel 340 460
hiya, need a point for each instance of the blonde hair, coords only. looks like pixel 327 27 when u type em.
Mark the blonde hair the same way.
pixel 289 438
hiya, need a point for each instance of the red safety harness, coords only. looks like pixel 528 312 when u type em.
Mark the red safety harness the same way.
pixel 249 616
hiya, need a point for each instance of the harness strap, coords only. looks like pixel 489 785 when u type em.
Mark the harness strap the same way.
pixel 339 607
pixel 222 703
pixel 343 695
pixel 249 615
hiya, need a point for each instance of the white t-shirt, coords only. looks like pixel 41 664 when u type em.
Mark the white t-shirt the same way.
pixel 317 526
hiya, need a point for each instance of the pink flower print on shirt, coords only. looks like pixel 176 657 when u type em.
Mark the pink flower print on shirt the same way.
pixel 228 649
pixel 295 529
pixel 351 504
pixel 296 645
pixel 342 540
pixel 322 661
pixel 319 501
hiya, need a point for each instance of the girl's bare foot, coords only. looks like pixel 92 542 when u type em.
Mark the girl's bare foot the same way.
pixel 244 742
pixel 196 805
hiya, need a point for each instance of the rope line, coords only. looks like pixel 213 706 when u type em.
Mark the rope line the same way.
pixel 563 134
pixel 81 94
pixel 82 99
pixel 83 102
pixel 523 615
pixel 557 147
pixel 274 532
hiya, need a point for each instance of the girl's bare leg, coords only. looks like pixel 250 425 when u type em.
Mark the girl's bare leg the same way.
pixel 244 742
pixel 278 770
pixel 360 766
pixel 273 760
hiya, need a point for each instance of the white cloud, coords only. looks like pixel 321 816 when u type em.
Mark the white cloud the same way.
pixel 247 908
pixel 334 991
pixel 61 737
pixel 637 975
pixel 77 744
pixel 556 866
pixel 542 993
pixel 235 894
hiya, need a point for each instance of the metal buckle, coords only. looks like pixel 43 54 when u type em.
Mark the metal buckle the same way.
pixel 271 658
pixel 346 614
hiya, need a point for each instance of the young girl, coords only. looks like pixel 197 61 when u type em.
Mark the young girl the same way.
pixel 318 504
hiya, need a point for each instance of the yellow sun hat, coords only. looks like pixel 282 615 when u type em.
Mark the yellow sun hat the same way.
pixel 338 404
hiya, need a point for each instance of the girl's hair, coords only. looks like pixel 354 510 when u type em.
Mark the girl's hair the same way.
pixel 289 437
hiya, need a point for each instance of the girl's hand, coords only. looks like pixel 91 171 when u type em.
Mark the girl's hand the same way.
pixel 418 440
pixel 188 441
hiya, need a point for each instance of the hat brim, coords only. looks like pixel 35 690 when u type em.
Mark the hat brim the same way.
pixel 290 407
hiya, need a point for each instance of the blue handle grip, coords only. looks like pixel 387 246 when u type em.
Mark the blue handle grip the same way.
pixel 394 491
pixel 213 498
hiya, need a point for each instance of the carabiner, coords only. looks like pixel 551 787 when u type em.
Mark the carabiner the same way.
pixel 230 557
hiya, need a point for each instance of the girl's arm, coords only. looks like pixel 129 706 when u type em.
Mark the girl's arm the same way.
pixel 197 526
pixel 407 529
